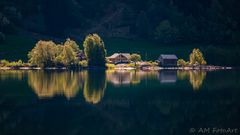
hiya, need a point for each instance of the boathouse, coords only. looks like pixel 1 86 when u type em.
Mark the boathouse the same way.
pixel 167 60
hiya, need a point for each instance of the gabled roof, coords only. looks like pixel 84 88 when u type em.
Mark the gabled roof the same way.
pixel 114 55
pixel 168 56
pixel 126 55
pixel 123 54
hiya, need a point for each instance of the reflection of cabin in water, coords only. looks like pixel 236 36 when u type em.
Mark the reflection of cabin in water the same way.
pixel 119 58
pixel 119 78
pixel 168 76
pixel 167 60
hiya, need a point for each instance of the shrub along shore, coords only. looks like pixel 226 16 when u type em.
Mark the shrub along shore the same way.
pixel 51 56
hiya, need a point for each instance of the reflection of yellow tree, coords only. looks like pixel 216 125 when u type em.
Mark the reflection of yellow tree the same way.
pixel 49 84
pixel 94 86
pixel 196 77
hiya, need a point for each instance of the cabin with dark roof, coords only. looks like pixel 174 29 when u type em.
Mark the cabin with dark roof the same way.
pixel 119 58
pixel 167 60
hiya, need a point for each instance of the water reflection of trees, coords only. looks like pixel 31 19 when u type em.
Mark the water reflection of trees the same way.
pixel 196 77
pixel 49 84
pixel 12 74
pixel 124 77
pixel 68 83
pixel 94 86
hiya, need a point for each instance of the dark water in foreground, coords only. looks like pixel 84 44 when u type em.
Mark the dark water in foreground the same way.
pixel 118 102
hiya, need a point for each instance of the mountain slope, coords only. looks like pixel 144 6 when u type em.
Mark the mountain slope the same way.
pixel 211 21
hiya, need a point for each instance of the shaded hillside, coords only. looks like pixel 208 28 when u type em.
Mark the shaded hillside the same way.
pixel 167 21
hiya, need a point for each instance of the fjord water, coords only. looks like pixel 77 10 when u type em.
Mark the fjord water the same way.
pixel 117 102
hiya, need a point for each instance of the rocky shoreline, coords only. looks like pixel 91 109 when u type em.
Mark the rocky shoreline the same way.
pixel 208 67
pixel 149 68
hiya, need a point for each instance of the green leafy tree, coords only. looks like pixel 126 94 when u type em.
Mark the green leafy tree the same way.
pixel 4 63
pixel 68 53
pixel 182 62
pixel 69 57
pixel 95 50
pixel 73 45
pixel 47 53
pixel 135 58
pixel 43 54
pixel 20 63
pixel 196 58
pixel 58 61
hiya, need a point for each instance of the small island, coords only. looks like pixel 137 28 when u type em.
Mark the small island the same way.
pixel 52 56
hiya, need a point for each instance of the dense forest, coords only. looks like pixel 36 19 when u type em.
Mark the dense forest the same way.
pixel 167 21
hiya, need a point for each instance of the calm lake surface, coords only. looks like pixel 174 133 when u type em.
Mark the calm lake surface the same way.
pixel 117 102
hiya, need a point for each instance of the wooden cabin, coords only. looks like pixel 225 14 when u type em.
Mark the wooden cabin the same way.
pixel 167 60
pixel 117 58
